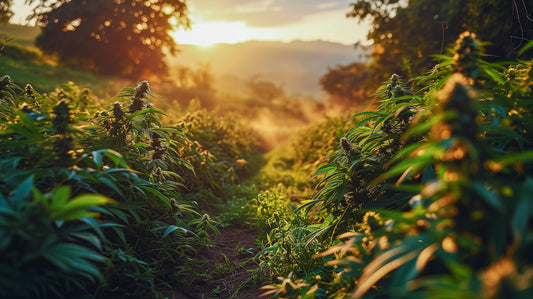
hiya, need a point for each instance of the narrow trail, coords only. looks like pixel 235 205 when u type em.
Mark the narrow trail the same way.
pixel 228 268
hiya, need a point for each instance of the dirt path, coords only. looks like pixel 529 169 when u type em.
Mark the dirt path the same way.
pixel 229 268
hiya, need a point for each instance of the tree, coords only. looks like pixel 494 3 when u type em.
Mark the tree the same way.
pixel 264 90
pixel 346 82
pixel 407 33
pixel 5 11
pixel 119 37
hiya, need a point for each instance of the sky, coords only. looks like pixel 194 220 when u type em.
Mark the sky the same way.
pixel 233 21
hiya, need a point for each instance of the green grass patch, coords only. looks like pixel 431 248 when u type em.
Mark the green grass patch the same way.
pixel 20 34
pixel 46 78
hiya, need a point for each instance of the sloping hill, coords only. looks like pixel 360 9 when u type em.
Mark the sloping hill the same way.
pixel 22 35
pixel 297 66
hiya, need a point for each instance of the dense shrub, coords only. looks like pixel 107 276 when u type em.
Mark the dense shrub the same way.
pixel 223 151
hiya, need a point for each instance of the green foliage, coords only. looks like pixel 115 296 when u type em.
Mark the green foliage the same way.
pixel 263 210
pixel 346 186
pixel 49 242
pixel 20 34
pixel 289 164
pixel 406 34
pixel 457 147
pixel 223 152
pixel 346 82
pixel 45 78
pixel 17 52
pixel 110 37
pixel 57 155
pixel 5 11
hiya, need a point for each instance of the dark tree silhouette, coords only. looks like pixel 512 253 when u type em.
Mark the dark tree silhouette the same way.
pixel 120 37
pixel 5 11
pixel 347 82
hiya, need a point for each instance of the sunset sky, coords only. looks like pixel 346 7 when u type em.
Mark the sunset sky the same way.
pixel 232 21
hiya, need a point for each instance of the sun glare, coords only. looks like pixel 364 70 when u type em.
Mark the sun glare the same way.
pixel 209 33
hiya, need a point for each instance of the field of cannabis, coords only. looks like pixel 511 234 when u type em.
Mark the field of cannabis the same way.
pixel 426 195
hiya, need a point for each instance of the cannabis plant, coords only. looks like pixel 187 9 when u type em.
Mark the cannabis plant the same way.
pixel 467 162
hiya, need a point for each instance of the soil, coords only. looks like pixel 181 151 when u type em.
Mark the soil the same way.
pixel 229 270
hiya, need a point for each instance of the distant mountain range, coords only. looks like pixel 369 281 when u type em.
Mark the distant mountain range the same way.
pixel 297 65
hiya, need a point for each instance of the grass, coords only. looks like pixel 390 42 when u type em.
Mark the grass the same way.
pixel 22 35
pixel 46 78
pixel 41 72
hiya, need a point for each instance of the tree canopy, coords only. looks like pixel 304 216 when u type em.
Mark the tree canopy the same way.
pixel 407 33
pixel 119 37
pixel 5 11
pixel 346 82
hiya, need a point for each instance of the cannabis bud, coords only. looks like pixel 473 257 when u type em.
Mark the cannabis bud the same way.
pixel 456 98
pixel 159 149
pixel 349 151
pixel 137 102
pixel 62 119
pixel 467 54
pixel 394 88
pixel 373 221
pixel 117 112
pixel 143 88
pixel 29 92
pixel 117 127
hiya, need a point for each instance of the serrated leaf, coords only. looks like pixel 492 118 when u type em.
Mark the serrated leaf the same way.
pixel 109 183
pixel 494 75
pixel 325 168
pixel 158 194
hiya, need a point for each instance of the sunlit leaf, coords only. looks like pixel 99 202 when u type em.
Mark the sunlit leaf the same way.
pixel 60 196
pixel 172 228
pixel 528 46
pixel 324 169
pixel 77 207
pixel 494 75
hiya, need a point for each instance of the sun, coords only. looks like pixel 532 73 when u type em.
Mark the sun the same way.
pixel 209 33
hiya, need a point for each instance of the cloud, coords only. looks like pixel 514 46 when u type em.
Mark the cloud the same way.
pixel 263 13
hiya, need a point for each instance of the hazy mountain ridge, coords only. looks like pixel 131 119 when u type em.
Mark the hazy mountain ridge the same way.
pixel 296 65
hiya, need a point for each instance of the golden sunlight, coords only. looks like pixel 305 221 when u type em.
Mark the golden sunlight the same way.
pixel 209 33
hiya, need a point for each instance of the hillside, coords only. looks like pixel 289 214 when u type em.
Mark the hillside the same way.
pixel 297 65
pixel 22 35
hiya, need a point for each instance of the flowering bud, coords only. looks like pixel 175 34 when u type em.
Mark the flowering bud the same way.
pixel 62 119
pixel 467 55
pixel 349 151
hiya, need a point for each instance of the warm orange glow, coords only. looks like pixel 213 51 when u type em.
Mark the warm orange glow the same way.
pixel 448 244
pixel 73 25
pixel 210 33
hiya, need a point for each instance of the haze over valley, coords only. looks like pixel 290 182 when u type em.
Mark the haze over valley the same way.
pixel 297 66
